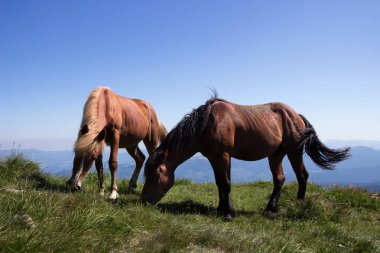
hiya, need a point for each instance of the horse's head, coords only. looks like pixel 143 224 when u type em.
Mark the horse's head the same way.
pixel 158 178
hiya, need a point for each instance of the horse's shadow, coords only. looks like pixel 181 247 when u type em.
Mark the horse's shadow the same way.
pixel 194 207
pixel 42 183
pixel 186 207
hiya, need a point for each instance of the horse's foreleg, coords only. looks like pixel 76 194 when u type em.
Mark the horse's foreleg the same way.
pixel 71 183
pixel 275 163
pixel 113 164
pixel 139 158
pixel 222 171
pixel 99 170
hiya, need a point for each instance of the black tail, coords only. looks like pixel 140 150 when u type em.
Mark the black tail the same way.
pixel 321 155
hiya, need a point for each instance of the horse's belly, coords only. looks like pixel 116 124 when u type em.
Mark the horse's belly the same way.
pixel 129 141
pixel 126 141
pixel 252 153
pixel 254 147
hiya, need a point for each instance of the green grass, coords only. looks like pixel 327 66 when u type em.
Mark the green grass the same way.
pixel 44 217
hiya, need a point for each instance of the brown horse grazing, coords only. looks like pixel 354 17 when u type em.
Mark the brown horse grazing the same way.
pixel 120 123
pixel 220 130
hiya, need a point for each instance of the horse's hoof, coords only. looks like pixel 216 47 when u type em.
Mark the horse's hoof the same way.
pixel 228 217
pixel 73 188
pixel 132 188
pixel 271 209
pixel 114 195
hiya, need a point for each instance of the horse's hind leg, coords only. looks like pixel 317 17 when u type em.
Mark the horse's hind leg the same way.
pixel 302 175
pixel 275 163
pixel 139 158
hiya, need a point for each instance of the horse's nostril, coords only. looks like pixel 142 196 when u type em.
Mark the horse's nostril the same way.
pixel 73 187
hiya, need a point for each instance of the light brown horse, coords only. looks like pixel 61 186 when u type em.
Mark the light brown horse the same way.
pixel 119 122
pixel 220 130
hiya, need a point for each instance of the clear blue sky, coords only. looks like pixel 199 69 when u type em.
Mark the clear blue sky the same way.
pixel 320 57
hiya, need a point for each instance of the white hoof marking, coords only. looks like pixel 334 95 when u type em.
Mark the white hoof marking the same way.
pixel 114 195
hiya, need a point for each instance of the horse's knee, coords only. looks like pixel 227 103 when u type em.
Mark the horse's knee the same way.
pixel 302 180
pixel 112 164
pixel 306 175
pixel 279 181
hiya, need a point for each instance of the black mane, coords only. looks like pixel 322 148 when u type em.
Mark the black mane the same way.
pixel 190 128
pixel 186 132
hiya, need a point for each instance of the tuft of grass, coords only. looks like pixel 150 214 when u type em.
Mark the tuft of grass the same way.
pixel 15 167
pixel 38 214
pixel 182 181
pixel 353 197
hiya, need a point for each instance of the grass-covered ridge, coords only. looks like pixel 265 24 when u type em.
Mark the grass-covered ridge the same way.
pixel 39 215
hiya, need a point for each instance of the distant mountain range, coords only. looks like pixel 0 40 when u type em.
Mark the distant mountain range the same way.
pixel 362 169
pixel 353 143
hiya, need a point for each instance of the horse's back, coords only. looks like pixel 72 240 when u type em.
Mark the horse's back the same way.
pixel 248 132
pixel 131 117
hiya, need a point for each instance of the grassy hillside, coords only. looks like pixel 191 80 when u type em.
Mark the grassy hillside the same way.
pixel 39 215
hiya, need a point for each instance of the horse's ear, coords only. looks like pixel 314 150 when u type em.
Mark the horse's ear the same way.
pixel 84 129
pixel 101 135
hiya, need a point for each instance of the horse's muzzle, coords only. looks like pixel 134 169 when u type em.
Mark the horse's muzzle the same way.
pixel 72 187
pixel 148 201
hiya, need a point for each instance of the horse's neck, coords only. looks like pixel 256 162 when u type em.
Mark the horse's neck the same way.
pixel 179 155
